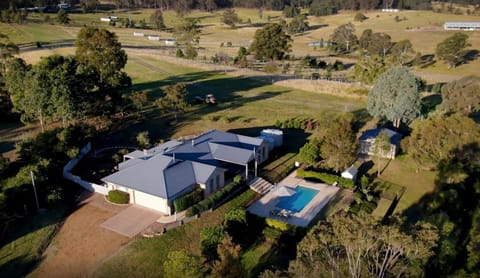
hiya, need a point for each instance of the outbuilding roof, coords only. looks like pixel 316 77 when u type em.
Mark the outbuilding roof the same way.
pixel 395 137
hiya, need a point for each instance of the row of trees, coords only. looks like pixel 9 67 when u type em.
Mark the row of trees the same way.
pixel 67 88
pixel 211 5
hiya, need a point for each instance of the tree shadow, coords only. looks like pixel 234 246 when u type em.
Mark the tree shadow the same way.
pixel 361 117
pixel 430 103
pixel 470 55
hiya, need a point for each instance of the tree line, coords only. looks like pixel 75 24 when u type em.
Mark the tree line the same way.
pixel 66 88
pixel 320 7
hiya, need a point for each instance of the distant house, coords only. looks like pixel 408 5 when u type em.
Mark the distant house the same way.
pixel 63 5
pixel 154 178
pixel 367 140
pixel 169 42
pixel 459 25
pixel 350 173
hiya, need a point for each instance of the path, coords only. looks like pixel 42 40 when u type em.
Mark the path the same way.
pixel 81 244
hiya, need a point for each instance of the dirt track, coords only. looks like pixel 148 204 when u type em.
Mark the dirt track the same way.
pixel 81 245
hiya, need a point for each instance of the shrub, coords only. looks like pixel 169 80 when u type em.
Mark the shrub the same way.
pixel 360 17
pixel 278 225
pixel 237 179
pixel 118 197
pixel 186 201
pixel 210 237
pixel 179 53
pixel 325 177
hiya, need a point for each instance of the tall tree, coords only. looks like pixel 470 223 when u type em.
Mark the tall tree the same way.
pixel 395 96
pixel 402 52
pixel 228 265
pixel 157 19
pixel 230 17
pixel 26 94
pixel 359 246
pixel 188 31
pixel 433 140
pixel 271 42
pixel 451 49
pixel 310 152
pixel 99 51
pixel 180 264
pixel 299 24
pixel 62 17
pixel 380 44
pixel 343 38
pixel 339 146
pixel 462 96
pixel 174 99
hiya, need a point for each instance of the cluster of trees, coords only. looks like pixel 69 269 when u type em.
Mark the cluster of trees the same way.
pixel 44 158
pixel 336 149
pixel 67 88
pixel 356 246
pixel 377 52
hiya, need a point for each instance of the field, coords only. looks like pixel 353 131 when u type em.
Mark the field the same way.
pixel 423 28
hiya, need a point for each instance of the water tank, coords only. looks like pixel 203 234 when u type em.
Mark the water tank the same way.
pixel 270 140
pixel 275 134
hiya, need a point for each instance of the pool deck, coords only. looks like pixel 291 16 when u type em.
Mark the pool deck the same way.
pixel 269 202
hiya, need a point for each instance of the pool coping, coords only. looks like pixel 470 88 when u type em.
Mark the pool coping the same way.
pixel 269 201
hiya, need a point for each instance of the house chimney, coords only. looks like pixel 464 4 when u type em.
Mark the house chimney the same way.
pixel 173 157
pixel 193 142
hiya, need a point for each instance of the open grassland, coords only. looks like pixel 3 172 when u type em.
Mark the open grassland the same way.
pixel 423 28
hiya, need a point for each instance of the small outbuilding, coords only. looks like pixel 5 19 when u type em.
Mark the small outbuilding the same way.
pixel 462 25
pixel 350 173
pixel 367 141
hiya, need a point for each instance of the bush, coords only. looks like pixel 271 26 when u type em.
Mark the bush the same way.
pixel 179 53
pixel 186 201
pixel 360 17
pixel 278 225
pixel 118 197
pixel 237 179
pixel 325 177
pixel 210 237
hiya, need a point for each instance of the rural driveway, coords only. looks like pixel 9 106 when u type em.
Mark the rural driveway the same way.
pixel 132 220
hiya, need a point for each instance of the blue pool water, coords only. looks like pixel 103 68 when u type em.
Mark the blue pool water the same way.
pixel 299 200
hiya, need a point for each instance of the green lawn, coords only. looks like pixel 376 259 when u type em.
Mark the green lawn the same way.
pixel 257 257
pixel 403 171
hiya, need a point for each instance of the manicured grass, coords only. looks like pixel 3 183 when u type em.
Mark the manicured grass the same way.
pixel 402 171
pixel 25 244
pixel 382 207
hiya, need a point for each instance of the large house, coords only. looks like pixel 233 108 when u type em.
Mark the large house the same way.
pixel 154 178
pixel 367 141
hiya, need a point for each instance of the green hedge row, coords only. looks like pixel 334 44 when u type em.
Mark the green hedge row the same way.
pixel 118 197
pixel 326 178
pixel 213 199
pixel 184 202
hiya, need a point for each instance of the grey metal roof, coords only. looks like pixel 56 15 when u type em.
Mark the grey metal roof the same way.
pixel 395 137
pixel 231 154
pixel 174 166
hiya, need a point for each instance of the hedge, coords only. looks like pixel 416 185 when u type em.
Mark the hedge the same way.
pixel 118 197
pixel 184 202
pixel 212 200
pixel 327 178
pixel 279 225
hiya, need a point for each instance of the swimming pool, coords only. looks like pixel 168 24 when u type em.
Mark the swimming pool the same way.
pixel 299 200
